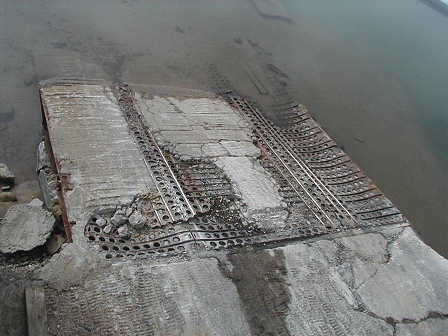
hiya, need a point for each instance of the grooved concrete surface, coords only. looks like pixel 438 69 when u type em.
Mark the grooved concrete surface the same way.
pixel 377 281
pixel 91 142
pixel 300 289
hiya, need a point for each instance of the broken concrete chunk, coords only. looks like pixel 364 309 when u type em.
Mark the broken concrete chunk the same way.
pixel 137 220
pixel 5 174
pixel 108 229
pixel 118 219
pixel 7 197
pixel 37 203
pixel 101 222
pixel 415 277
pixel 70 267
pixel 258 192
pixel 124 232
pixel 128 211
pixel 24 227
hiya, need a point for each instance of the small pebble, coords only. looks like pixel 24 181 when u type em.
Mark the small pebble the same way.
pixel 107 229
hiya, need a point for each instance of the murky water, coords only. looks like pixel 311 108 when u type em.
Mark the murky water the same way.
pixel 373 73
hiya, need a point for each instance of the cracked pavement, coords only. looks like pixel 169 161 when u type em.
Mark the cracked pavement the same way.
pixel 380 280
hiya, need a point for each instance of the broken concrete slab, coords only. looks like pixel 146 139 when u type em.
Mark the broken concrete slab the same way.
pixel 24 227
pixel 296 289
pixel 196 127
pixel 321 301
pixel 68 268
pixel 181 162
pixel 6 175
pixel 170 277
pixel 91 145
pixel 410 278
pixel 156 299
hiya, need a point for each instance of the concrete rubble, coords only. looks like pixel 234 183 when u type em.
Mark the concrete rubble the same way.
pixel 123 276
pixel 24 227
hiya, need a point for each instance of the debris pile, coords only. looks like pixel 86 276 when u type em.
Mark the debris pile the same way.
pixel 143 213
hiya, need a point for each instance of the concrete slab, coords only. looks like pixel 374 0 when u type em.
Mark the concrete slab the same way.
pixel 94 147
pixel 25 227
pixel 409 278
pixel 68 268
pixel 321 301
pixel 215 271
pixel 165 299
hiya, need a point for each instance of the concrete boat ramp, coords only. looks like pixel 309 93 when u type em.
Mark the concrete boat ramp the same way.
pixel 192 214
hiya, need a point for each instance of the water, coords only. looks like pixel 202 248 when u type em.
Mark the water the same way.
pixel 373 73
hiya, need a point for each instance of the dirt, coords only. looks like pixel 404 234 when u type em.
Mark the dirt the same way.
pixel 13 281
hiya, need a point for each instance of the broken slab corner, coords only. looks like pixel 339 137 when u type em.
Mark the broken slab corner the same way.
pixel 25 227
pixel 68 268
